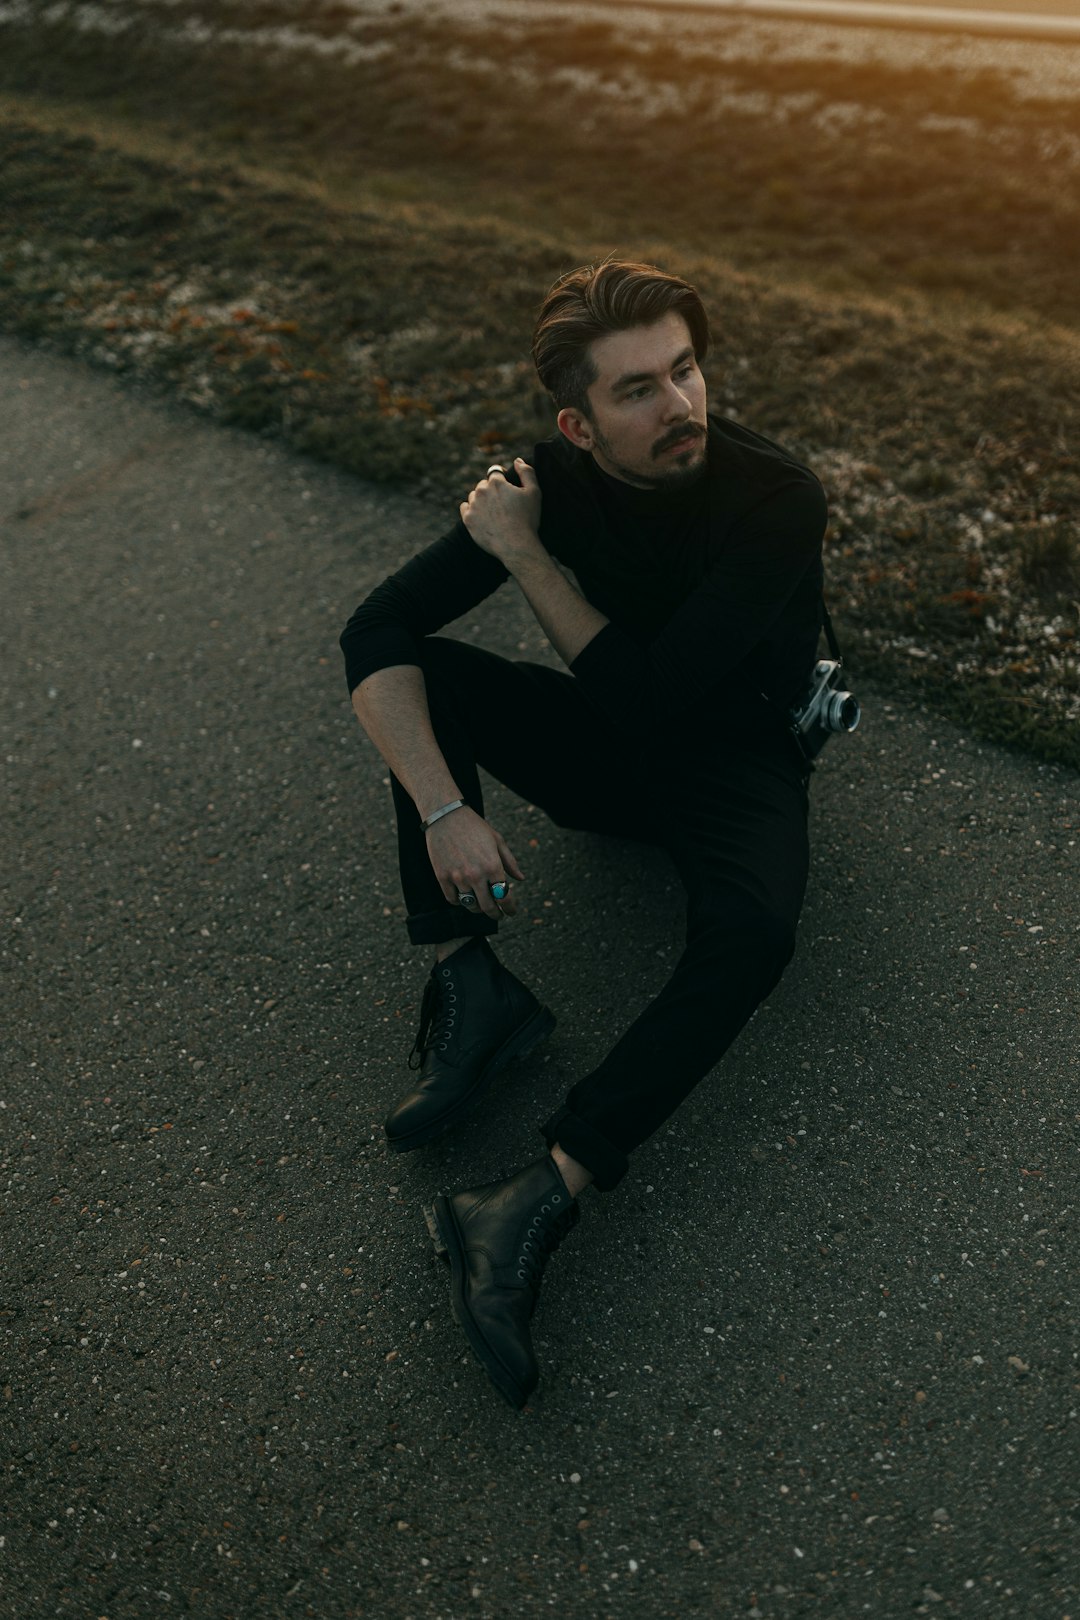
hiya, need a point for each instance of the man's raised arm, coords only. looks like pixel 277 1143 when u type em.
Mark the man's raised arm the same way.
pixel 381 643
pixel 391 706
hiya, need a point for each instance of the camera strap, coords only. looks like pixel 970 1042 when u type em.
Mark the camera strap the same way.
pixel 830 633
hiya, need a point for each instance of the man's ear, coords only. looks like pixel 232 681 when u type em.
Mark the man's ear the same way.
pixel 576 427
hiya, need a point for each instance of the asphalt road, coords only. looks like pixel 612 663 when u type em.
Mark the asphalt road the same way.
pixel 815 1356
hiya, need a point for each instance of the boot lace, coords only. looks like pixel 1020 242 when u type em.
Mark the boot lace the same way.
pixel 545 1233
pixel 438 1010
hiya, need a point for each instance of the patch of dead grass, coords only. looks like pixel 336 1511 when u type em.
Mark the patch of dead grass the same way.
pixel 379 315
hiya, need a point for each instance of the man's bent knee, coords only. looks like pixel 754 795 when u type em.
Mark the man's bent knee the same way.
pixel 758 935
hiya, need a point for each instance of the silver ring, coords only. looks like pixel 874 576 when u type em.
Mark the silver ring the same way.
pixel 496 467
pixel 466 898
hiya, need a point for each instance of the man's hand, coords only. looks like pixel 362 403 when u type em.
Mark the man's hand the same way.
pixel 467 853
pixel 502 518
pixel 505 521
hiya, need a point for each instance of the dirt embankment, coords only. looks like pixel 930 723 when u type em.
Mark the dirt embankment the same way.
pixel 335 228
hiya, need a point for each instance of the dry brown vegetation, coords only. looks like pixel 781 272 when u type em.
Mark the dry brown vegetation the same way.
pixel 348 253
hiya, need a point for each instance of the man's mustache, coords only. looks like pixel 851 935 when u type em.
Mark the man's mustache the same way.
pixel 688 430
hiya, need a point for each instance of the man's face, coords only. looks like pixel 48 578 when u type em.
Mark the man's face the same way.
pixel 646 421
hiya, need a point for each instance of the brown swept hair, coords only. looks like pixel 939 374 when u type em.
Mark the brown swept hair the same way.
pixel 587 303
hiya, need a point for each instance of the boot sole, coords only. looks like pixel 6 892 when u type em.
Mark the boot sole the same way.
pixel 446 1238
pixel 519 1045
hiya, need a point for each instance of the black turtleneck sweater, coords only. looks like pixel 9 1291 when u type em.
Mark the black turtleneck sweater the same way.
pixel 713 590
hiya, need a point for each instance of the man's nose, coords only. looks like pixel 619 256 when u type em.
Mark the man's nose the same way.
pixel 676 405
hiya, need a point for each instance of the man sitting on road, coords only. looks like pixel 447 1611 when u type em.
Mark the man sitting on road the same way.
pixel 696 547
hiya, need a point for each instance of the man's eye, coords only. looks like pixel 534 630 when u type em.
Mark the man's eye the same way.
pixel 637 393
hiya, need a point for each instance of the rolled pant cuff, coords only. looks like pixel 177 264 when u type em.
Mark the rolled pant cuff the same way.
pixel 451 922
pixel 583 1142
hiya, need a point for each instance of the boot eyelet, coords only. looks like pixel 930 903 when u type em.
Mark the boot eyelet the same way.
pixel 556 1198
pixel 545 1209
pixel 521 1274
pixel 442 1046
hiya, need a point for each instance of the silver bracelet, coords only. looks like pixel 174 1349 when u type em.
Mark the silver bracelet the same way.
pixel 443 810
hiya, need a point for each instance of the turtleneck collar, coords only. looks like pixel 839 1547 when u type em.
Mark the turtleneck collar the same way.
pixel 673 501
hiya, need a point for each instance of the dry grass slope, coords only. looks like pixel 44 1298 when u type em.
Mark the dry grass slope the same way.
pixel 347 253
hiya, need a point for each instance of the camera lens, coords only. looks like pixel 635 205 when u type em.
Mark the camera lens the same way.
pixel 841 712
pixel 849 711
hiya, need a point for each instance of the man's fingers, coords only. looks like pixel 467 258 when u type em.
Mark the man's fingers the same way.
pixel 509 863
pixel 507 903
pixel 471 865
pixel 449 892
pixel 484 899
pixel 480 886
pixel 526 473
pixel 482 889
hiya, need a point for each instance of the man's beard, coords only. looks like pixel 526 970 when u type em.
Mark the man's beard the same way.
pixel 674 477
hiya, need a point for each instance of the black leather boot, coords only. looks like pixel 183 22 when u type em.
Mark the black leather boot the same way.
pixel 497 1240
pixel 474 1019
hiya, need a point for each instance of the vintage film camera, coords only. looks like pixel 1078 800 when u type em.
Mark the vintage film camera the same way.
pixel 824 710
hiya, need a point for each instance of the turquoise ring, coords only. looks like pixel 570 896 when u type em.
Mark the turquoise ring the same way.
pixel 499 890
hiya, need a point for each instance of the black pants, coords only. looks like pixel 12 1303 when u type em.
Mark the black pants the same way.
pixel 735 826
